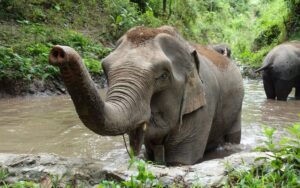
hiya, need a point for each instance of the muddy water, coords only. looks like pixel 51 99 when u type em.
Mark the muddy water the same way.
pixel 50 125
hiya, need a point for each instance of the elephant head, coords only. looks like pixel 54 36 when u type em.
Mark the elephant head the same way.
pixel 222 49
pixel 153 81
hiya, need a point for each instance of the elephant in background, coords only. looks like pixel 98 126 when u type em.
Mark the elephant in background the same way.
pixel 222 49
pixel 177 98
pixel 281 71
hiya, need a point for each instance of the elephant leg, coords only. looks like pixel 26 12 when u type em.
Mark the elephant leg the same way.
pixel 234 134
pixel 283 89
pixel 188 145
pixel 269 87
pixel 149 155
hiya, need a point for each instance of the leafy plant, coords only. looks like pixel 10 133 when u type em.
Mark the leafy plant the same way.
pixel 144 178
pixel 93 65
pixel 3 175
pixel 27 59
pixel 12 65
pixel 280 169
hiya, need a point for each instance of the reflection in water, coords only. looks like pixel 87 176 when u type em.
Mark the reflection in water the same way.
pixel 51 125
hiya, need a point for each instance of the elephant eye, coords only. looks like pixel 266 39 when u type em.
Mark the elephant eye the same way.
pixel 164 76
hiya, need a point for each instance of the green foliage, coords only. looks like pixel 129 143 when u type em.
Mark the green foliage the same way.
pixel 251 28
pixel 13 66
pixel 125 15
pixel 144 177
pixel 24 54
pixel 93 65
pixel 266 38
pixel 22 184
pixel 292 23
pixel 280 169
pixel 3 175
pixel 25 43
pixel 60 13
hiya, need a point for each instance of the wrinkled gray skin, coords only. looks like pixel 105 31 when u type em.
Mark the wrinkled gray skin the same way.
pixel 189 103
pixel 281 71
pixel 222 49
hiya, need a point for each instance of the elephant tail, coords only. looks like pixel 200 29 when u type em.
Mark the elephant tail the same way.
pixel 262 68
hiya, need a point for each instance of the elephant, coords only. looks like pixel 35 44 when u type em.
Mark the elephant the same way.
pixel 222 49
pixel 177 98
pixel 281 71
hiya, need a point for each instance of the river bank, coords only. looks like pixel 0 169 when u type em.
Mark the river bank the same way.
pixel 50 169
pixel 55 86
pixel 36 87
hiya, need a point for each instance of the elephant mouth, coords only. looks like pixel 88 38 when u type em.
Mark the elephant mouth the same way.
pixel 136 138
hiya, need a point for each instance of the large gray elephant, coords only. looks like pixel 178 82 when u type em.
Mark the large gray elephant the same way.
pixel 281 71
pixel 179 99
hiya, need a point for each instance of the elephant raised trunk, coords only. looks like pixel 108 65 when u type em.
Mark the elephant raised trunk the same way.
pixel 112 117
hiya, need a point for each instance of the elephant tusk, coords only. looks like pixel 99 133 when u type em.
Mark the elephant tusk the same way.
pixel 145 127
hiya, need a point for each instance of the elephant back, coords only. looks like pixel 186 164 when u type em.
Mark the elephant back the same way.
pixel 220 61
pixel 285 60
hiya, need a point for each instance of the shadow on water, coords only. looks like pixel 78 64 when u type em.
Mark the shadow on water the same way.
pixel 51 125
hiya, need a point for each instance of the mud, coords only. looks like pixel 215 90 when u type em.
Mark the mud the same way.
pixel 49 87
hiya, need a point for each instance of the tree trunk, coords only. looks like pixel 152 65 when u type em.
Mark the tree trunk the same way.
pixel 164 6
pixel 141 4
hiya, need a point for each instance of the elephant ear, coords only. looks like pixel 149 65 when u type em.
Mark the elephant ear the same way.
pixel 186 65
pixel 194 95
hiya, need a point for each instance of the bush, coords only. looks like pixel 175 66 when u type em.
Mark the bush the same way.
pixel 280 169
pixel 266 38
pixel 249 27
pixel 13 66
pixel 25 55
pixel 144 178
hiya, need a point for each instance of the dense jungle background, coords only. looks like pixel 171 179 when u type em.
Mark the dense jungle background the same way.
pixel 28 29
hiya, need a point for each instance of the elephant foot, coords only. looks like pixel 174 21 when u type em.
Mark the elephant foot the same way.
pixel 234 138
pixel 175 164
pixel 281 98
pixel 272 98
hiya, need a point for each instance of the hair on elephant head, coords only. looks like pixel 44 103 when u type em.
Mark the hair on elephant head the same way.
pixel 162 91
pixel 281 71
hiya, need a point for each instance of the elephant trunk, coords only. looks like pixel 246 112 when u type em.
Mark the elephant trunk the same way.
pixel 104 118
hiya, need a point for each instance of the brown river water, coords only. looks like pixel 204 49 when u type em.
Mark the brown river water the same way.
pixel 51 125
